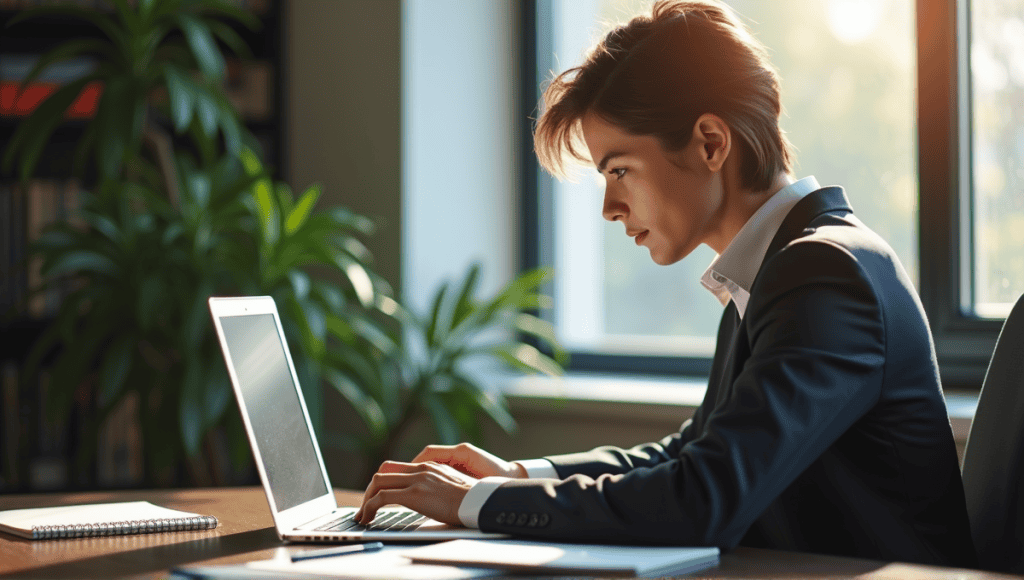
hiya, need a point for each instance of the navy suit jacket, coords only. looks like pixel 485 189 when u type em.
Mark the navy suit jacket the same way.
pixel 823 428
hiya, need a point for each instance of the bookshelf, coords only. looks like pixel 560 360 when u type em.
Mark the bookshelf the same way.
pixel 35 453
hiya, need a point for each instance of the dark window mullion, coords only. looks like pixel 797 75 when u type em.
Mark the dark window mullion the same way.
pixel 963 343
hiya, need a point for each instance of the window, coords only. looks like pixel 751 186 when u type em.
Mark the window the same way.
pixel 851 73
pixel 996 245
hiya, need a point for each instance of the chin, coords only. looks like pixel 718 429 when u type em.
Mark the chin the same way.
pixel 663 258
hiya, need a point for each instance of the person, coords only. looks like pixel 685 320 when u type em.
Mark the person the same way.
pixel 823 428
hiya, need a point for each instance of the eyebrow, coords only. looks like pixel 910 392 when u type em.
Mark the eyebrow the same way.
pixel 607 158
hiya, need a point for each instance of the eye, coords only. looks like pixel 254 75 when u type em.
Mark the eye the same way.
pixel 618 172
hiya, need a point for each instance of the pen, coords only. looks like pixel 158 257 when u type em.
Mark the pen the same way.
pixel 338 551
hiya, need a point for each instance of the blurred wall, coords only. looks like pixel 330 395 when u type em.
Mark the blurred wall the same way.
pixel 459 89
pixel 343 111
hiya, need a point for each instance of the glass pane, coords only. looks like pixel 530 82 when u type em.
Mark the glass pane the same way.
pixel 848 79
pixel 997 91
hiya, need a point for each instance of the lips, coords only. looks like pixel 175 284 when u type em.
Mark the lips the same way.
pixel 639 238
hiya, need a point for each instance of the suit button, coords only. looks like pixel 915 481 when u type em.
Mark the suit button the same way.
pixel 544 519
pixel 501 518
pixel 533 521
pixel 521 519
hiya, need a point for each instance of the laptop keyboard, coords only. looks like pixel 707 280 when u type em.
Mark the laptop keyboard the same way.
pixel 392 521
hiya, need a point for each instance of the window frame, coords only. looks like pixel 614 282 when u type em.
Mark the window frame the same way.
pixel 963 342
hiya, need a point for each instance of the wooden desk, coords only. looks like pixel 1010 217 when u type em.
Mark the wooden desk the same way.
pixel 246 533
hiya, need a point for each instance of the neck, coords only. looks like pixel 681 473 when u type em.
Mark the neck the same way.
pixel 740 205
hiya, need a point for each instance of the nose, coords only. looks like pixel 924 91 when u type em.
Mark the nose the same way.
pixel 613 209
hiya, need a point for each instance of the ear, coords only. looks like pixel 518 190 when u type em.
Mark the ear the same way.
pixel 713 141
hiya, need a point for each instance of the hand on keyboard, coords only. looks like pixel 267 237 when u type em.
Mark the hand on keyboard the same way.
pixel 432 489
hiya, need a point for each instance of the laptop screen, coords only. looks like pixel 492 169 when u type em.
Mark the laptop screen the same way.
pixel 270 397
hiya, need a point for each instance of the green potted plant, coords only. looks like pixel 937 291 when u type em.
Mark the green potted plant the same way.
pixel 164 228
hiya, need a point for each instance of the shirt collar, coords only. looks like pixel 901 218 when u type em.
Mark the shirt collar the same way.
pixel 732 273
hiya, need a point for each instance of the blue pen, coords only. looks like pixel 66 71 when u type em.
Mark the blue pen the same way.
pixel 338 551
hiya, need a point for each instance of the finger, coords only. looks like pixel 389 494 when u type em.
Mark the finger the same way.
pixel 393 481
pixel 379 500
pixel 386 467
pixel 377 482
pixel 411 487
pixel 438 453
pixel 407 494
pixel 397 467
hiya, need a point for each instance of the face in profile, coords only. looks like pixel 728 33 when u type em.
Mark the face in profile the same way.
pixel 668 201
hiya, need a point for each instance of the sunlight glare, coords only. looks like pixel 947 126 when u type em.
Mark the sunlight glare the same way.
pixel 853 21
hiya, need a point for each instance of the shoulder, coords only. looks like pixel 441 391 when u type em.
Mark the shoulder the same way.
pixel 835 261
pixel 839 240
pixel 831 249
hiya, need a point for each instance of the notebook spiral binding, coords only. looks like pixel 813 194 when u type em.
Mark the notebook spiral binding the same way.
pixel 124 528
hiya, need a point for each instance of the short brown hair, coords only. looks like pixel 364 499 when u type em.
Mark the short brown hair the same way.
pixel 656 75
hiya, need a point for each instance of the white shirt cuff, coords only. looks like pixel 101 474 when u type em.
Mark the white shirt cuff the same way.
pixel 476 497
pixel 538 468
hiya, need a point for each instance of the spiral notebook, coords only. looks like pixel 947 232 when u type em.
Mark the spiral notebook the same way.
pixel 102 519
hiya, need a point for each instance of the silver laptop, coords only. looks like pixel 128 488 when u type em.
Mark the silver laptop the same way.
pixel 286 450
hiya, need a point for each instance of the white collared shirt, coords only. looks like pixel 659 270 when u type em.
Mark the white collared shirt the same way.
pixel 729 277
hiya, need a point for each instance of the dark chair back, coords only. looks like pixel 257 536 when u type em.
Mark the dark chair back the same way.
pixel 993 467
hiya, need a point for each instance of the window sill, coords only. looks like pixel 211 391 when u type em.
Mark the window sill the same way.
pixel 631 397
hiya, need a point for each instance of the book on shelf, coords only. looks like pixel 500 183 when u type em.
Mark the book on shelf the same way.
pixel 104 519
pixel 9 418
pixel 31 210
pixel 248 85
pixel 6 241
pixel 12 272
pixel 19 101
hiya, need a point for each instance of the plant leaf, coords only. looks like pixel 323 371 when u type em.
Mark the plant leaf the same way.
pixel 190 409
pixel 345 218
pixel 216 394
pixel 464 305
pixel 266 205
pixel 116 364
pixel 445 424
pixel 367 408
pixel 232 130
pixel 182 99
pixel 204 47
pixel 358 278
pixel 491 402
pixel 115 125
pixel 228 36
pixel 300 213
pixel 300 284
pixel 208 112
pixel 78 261
pixel 146 10
pixel 544 330
pixel 526 358
pixel 435 313
pixel 514 293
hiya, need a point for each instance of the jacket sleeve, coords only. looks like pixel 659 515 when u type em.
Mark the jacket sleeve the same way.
pixel 609 459
pixel 817 353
